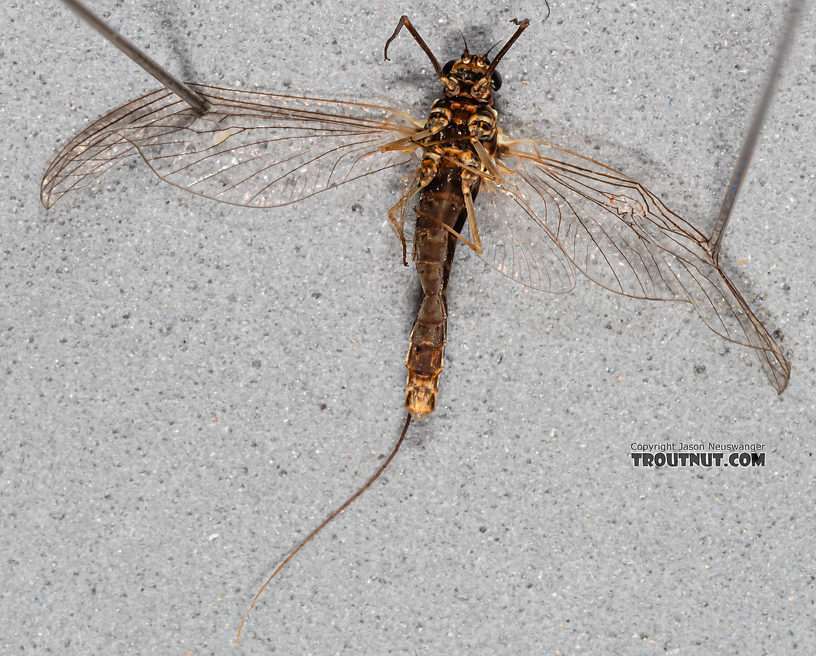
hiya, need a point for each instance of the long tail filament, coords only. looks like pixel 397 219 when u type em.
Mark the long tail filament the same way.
pixel 325 522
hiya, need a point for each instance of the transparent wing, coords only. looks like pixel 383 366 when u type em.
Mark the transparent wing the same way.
pixel 520 250
pixel 523 250
pixel 624 238
pixel 251 149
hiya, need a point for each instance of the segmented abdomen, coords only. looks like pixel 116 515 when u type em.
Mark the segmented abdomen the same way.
pixel 441 201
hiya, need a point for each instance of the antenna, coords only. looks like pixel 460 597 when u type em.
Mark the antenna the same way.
pixel 193 99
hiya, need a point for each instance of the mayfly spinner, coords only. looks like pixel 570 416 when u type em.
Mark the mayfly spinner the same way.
pixel 543 214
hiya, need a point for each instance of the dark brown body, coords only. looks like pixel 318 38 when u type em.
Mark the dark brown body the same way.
pixel 441 203
pixel 434 248
pixel 459 141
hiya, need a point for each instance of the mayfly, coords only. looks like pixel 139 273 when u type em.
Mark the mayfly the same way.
pixel 544 213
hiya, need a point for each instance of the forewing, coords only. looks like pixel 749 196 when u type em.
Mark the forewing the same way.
pixel 251 149
pixel 624 238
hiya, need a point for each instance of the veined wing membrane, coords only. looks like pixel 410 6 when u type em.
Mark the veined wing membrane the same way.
pixel 625 239
pixel 520 249
pixel 250 149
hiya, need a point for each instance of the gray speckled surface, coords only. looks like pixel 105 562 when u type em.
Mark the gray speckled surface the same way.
pixel 165 359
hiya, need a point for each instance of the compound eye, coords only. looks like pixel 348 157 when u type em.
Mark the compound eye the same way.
pixel 496 81
pixel 448 67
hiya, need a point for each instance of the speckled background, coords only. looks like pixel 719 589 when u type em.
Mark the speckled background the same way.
pixel 189 387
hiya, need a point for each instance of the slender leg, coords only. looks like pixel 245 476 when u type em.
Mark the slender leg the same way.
pixel 406 23
pixel 408 143
pixel 476 244
pixel 484 156
pixel 396 215
pixel 471 214
pixel 523 24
